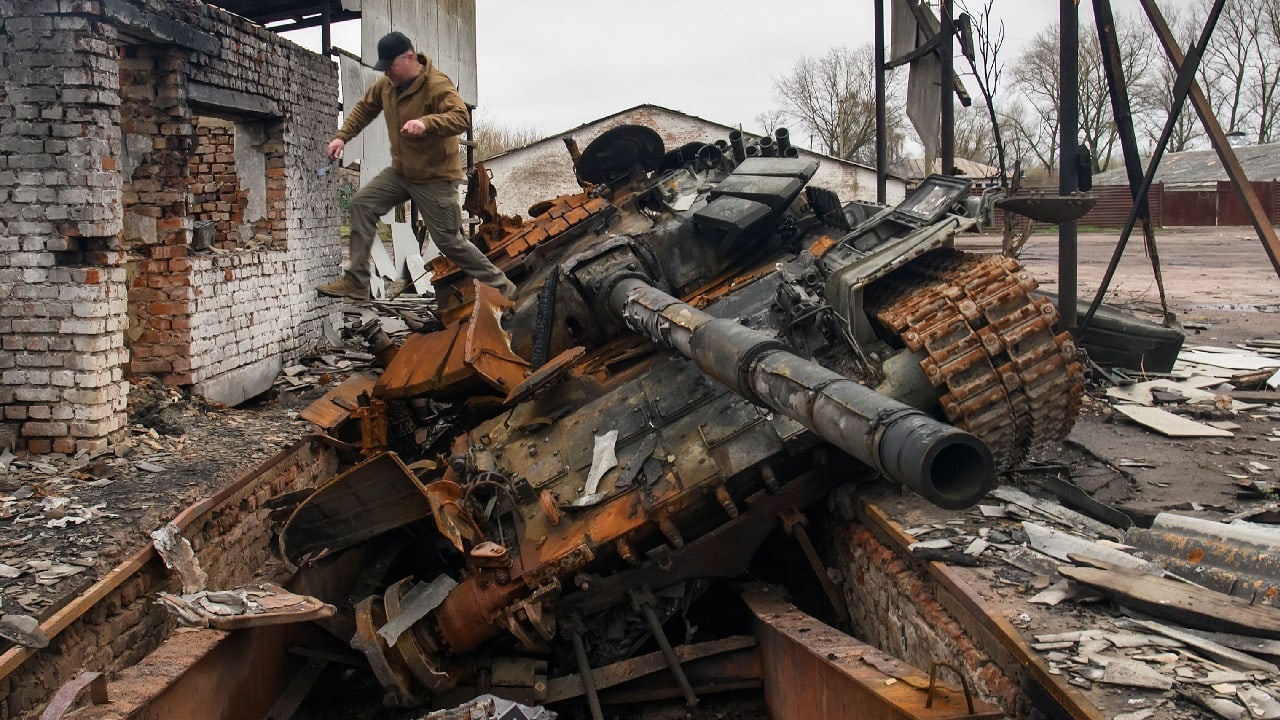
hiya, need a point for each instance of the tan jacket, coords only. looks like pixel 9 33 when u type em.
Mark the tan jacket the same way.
pixel 431 98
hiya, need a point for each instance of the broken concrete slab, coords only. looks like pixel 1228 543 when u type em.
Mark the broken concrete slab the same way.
pixel 1166 423
pixel 235 386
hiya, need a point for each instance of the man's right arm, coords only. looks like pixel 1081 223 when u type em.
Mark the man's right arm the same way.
pixel 362 113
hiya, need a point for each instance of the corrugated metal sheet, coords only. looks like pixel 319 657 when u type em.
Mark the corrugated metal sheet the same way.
pixel 1231 211
pixel 1115 202
pixel 1190 207
pixel 1219 205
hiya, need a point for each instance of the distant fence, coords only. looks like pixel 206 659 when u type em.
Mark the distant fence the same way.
pixel 1171 207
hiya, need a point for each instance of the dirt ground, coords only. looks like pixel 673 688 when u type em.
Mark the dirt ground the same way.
pixel 65 521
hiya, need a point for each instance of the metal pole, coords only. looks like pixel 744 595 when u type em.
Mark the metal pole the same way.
pixel 1068 150
pixel 325 23
pixel 947 48
pixel 882 132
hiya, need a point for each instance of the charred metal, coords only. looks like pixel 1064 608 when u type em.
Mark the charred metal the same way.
pixel 702 347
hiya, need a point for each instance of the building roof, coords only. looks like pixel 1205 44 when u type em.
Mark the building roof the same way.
pixel 1197 167
pixel 650 106
pixel 286 15
pixel 914 168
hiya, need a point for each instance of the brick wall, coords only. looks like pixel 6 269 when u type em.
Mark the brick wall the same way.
pixel 102 180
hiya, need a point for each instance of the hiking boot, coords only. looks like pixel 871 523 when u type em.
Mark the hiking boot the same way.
pixel 344 287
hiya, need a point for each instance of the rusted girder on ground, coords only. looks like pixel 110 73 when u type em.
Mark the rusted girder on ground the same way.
pixel 812 670
pixel 995 635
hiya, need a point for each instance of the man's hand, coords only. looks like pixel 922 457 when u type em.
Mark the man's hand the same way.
pixel 334 151
pixel 414 127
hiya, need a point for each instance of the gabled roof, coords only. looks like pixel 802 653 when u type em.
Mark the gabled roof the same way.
pixel 914 168
pixel 649 106
pixel 1259 162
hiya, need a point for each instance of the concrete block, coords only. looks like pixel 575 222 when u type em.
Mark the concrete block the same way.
pixel 235 386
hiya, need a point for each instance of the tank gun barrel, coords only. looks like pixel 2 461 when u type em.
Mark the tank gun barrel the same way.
pixel 948 466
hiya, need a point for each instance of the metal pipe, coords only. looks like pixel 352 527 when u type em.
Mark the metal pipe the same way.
pixel 1068 148
pixel 882 130
pixel 948 466
pixel 584 672
pixel 735 141
pixel 643 601
pixel 767 148
pixel 947 48
pixel 782 139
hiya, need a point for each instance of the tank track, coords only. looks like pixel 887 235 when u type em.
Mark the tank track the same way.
pixel 990 348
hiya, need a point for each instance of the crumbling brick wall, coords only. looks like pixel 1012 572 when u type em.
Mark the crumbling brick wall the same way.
pixel 100 108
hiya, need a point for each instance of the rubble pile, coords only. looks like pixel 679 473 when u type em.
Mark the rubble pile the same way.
pixel 1176 613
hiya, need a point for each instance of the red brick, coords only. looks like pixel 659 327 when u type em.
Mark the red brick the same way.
pixel 64 445
pixel 39 446
pixel 149 366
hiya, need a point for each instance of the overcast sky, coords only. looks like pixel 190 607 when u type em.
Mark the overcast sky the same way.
pixel 551 65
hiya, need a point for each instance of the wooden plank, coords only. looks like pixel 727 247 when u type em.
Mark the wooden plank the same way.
pixel 1189 605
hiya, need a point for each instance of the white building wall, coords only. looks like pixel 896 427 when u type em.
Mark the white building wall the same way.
pixel 544 169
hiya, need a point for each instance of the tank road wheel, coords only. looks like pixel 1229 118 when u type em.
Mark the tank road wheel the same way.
pixel 989 348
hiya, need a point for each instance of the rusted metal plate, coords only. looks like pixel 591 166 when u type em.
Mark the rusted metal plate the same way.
pixel 425 362
pixel 488 346
pixel 336 406
pixel 812 670
pixel 247 668
pixel 374 497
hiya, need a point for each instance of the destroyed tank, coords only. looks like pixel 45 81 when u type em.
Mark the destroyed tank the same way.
pixel 703 343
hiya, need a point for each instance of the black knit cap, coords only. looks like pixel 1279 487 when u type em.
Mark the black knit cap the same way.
pixel 391 46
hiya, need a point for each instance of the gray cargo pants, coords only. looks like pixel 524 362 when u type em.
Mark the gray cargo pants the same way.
pixel 437 200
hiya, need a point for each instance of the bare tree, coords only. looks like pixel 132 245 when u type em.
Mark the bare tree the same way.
pixel 1032 135
pixel 832 98
pixel 770 120
pixel 1225 68
pixel 1266 90
pixel 975 137
pixel 988 39
pixel 1152 93
pixel 1037 78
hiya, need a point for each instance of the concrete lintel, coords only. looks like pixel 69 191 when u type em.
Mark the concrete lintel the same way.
pixel 154 27
pixel 235 386
pixel 236 101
